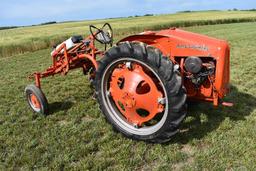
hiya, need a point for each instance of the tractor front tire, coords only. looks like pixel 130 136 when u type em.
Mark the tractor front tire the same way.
pixel 133 64
pixel 36 99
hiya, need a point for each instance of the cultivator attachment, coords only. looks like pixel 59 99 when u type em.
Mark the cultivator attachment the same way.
pixel 75 52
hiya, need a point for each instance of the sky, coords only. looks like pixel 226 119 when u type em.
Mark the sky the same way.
pixel 29 12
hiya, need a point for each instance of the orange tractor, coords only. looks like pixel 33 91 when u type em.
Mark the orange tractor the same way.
pixel 143 82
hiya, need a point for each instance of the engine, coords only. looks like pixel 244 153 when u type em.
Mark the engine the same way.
pixel 198 70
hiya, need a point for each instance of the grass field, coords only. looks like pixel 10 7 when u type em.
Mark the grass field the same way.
pixel 76 136
pixel 20 40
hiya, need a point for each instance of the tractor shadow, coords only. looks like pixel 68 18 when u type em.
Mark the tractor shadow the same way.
pixel 203 117
pixel 59 106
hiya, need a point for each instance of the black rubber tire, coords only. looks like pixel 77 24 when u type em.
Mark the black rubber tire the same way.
pixel 169 76
pixel 32 89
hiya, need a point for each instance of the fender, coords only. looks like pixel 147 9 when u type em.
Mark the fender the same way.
pixel 150 39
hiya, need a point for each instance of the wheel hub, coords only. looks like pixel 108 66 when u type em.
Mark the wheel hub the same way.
pixel 34 101
pixel 135 93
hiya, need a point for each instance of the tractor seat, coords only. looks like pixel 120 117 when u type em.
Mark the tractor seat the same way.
pixel 77 39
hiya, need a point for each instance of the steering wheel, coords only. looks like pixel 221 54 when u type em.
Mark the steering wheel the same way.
pixel 103 35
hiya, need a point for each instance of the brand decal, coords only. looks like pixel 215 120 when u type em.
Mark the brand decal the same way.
pixel 197 47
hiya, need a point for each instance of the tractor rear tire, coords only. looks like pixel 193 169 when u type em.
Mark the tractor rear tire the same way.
pixel 152 59
pixel 36 99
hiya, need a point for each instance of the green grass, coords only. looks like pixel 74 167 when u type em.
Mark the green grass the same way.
pixel 76 136
pixel 20 40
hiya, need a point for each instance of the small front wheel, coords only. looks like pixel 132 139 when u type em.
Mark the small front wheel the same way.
pixel 36 99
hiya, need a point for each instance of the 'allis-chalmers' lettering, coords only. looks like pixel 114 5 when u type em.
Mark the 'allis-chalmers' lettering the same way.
pixel 197 47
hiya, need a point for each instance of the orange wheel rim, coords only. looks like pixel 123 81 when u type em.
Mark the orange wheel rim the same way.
pixel 135 93
pixel 35 102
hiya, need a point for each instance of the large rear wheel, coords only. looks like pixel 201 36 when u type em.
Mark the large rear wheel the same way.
pixel 140 92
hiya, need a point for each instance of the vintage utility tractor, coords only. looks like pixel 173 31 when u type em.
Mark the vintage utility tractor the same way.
pixel 142 83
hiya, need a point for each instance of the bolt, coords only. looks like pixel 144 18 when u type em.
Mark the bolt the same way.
pixel 108 93
pixel 161 101
pixel 128 65
pixel 135 126
pixel 176 67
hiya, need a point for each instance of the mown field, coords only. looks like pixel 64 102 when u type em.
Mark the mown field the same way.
pixel 20 40
pixel 75 136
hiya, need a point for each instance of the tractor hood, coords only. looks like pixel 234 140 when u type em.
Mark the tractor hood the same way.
pixel 176 42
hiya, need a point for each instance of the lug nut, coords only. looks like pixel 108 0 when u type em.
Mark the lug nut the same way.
pixel 176 67
pixel 128 65
pixel 161 101
pixel 135 126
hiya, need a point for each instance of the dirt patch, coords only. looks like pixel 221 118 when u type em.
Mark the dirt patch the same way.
pixel 189 151
pixel 63 122
pixel 86 119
